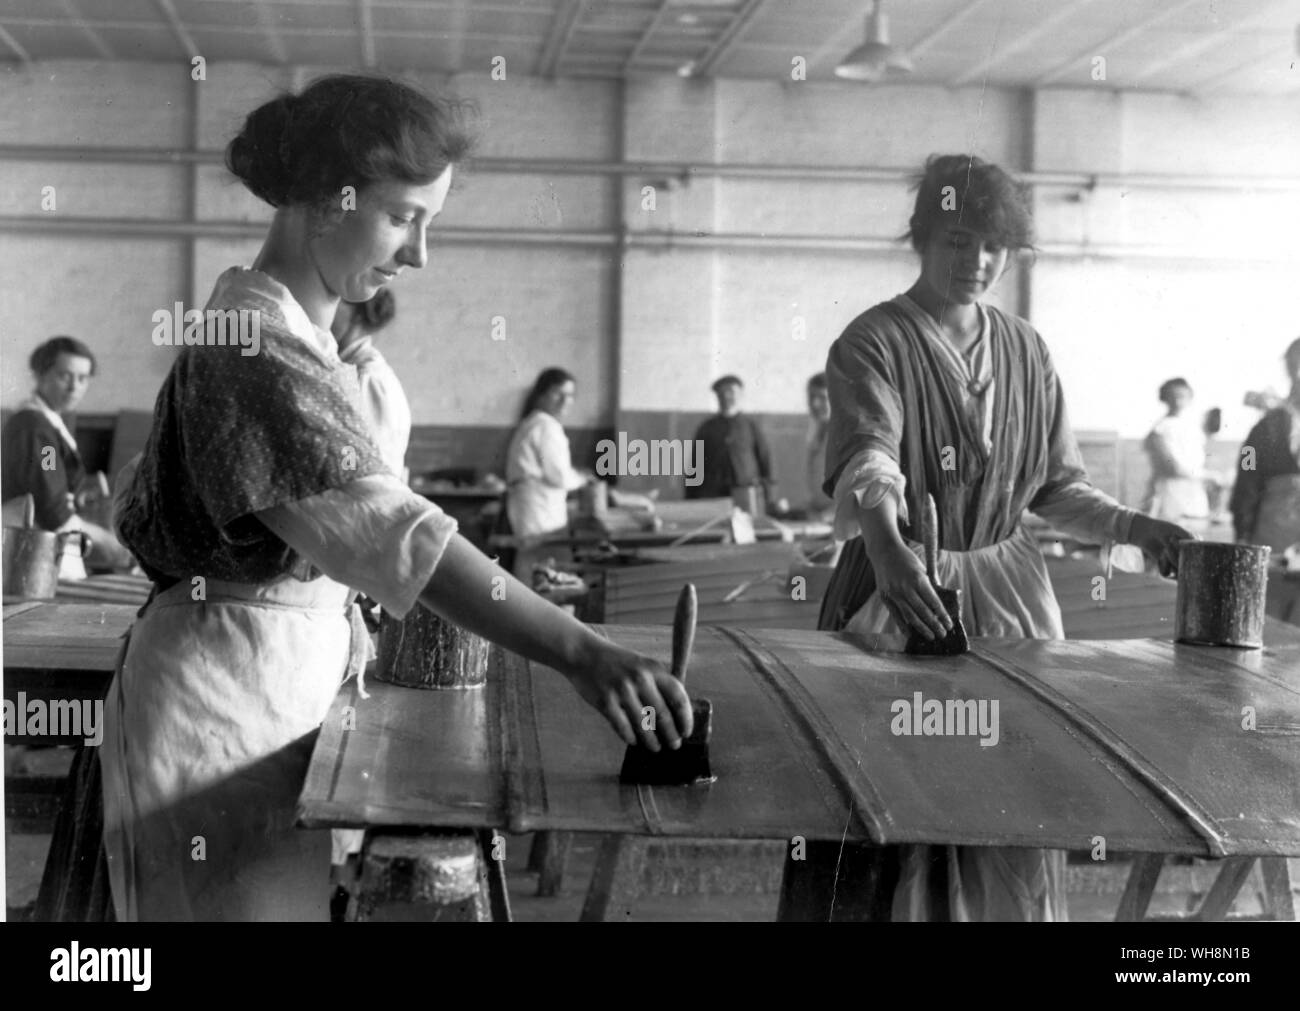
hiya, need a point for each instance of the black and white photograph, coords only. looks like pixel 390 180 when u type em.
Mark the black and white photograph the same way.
pixel 651 461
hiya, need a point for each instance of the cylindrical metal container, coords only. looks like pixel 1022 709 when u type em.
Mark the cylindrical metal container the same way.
pixel 424 651
pixel 31 560
pixel 1221 594
pixel 593 499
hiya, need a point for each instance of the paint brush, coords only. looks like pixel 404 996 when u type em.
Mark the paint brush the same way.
pixel 689 763
pixel 955 641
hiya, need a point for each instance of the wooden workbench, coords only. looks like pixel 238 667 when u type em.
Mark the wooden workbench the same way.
pixel 1139 742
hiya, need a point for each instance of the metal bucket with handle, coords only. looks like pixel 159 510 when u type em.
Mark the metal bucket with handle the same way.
pixel 31 557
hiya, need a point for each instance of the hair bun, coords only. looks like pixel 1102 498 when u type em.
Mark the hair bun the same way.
pixel 261 155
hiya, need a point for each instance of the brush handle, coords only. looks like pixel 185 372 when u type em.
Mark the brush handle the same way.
pixel 684 630
pixel 930 537
pixel 29 512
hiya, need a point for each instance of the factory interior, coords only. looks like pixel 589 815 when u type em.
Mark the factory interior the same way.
pixel 651 460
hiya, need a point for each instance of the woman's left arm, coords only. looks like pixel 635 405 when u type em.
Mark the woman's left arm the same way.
pixel 1069 501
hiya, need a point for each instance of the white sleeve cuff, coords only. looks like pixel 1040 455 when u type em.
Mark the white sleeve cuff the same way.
pixel 865 481
pixel 374 535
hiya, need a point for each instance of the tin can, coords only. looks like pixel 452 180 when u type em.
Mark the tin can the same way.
pixel 426 651
pixel 1221 589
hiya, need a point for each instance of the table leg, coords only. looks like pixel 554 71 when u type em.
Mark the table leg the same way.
pixel 552 860
pixel 1279 902
pixel 1139 888
pixel 616 880
pixel 839 882
pixel 495 872
pixel 1234 874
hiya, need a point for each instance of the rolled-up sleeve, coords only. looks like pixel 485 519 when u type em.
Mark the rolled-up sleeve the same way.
pixel 373 534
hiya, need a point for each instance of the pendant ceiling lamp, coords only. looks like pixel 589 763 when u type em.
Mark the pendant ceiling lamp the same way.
pixel 875 58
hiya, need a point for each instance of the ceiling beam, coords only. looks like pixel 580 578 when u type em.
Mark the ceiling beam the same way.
pixel 1113 42
pixel 1064 12
pixel 650 29
pixel 168 11
pixel 366 33
pixel 730 35
pixel 1215 38
pixel 234 29
pixel 78 21
pixel 266 22
pixel 14 44
pixel 562 26
pixel 1258 64
pixel 947 24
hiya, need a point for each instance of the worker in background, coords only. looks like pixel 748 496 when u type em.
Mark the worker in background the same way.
pixel 1265 500
pixel 539 464
pixel 820 505
pixel 40 458
pixel 1176 447
pixel 736 455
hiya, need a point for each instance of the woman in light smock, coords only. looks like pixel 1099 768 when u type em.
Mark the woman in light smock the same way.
pixel 539 468
pixel 1176 447
pixel 934 392
pixel 262 501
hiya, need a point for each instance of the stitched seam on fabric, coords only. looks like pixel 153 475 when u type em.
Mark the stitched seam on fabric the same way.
pixel 1166 789
pixel 848 775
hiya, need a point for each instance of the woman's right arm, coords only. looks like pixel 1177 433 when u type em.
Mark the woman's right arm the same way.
pixel 617 682
pixel 377 537
pixel 901 581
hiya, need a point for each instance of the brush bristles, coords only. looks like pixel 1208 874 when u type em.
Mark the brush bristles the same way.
pixel 687 765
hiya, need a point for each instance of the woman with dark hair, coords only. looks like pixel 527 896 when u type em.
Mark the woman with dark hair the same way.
pixel 383 401
pixel 39 455
pixel 1265 500
pixel 1176 446
pixel 262 504
pixel 935 393
pixel 539 468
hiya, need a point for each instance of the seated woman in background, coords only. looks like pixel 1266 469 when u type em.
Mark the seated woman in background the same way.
pixel 1266 498
pixel 1176 447
pixel 40 456
pixel 539 468
pixel 383 400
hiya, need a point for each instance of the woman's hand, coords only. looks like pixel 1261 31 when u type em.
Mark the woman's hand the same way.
pixel 906 592
pixel 1158 540
pixel 622 685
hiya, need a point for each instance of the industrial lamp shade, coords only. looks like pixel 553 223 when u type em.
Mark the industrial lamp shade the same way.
pixel 875 58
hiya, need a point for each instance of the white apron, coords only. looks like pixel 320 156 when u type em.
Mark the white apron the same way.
pixel 223 699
